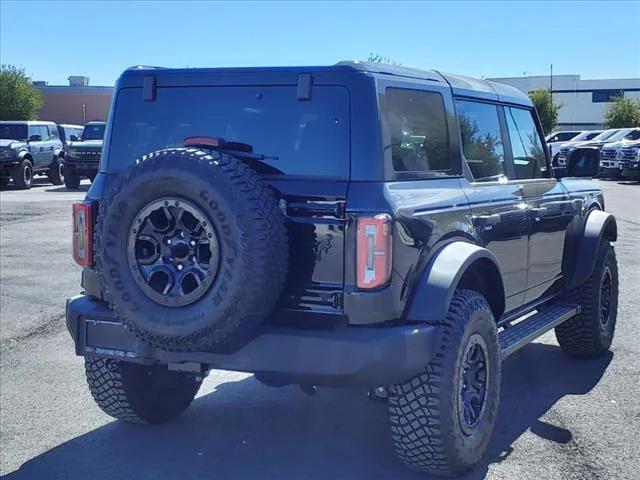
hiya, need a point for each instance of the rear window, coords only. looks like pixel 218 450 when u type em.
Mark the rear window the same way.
pixel 309 137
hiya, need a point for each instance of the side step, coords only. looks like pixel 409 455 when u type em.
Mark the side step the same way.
pixel 514 338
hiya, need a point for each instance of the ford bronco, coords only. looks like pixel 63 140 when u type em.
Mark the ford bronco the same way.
pixel 83 155
pixel 28 148
pixel 361 225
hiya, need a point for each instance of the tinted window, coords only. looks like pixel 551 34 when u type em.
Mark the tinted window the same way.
pixel 526 145
pixel 9 131
pixel 40 130
pixel 602 96
pixel 417 126
pixel 93 132
pixel 562 136
pixel 309 137
pixel 481 139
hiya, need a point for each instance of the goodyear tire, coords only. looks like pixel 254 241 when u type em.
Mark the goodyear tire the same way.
pixel 590 333
pixel 23 175
pixel 139 393
pixel 191 250
pixel 71 179
pixel 442 419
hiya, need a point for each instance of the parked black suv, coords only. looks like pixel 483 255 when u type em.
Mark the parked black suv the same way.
pixel 83 155
pixel 360 225
pixel 28 148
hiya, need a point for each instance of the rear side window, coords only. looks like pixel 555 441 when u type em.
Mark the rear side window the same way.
pixel 481 139
pixel 529 159
pixel 417 126
pixel 308 137
pixel 53 131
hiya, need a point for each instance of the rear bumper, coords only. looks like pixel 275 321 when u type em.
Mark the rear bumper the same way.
pixel 346 357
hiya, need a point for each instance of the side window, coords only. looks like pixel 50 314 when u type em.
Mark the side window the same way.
pixel 481 139
pixel 53 132
pixel 417 125
pixel 527 147
pixel 44 132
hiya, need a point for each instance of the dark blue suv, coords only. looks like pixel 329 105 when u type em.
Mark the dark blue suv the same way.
pixel 360 225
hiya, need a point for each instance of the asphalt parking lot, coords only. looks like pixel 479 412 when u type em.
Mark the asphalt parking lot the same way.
pixel 560 418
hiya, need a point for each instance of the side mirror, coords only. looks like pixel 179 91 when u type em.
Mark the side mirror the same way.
pixel 73 138
pixel 35 138
pixel 583 162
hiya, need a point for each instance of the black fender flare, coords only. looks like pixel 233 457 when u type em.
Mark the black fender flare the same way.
pixel 443 273
pixel 24 154
pixel 599 225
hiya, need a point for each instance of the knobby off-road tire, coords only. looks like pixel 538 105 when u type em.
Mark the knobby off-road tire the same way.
pixel 138 393
pixel 429 431
pixel 23 175
pixel 590 333
pixel 56 172
pixel 71 179
pixel 246 225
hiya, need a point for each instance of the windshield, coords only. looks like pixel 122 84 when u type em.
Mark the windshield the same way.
pixel 93 132
pixel 13 131
pixel 633 135
pixel 588 135
pixel 606 135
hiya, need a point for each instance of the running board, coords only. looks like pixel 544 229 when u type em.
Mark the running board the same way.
pixel 514 338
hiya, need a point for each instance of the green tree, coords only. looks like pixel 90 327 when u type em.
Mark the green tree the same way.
pixel 19 100
pixel 623 112
pixel 377 58
pixel 547 108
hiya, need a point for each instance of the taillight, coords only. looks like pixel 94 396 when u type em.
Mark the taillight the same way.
pixel 374 251
pixel 83 233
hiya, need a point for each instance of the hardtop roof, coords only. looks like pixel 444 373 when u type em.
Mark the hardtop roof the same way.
pixel 460 85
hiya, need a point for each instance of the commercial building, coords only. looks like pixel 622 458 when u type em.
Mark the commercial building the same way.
pixel 76 103
pixel 585 101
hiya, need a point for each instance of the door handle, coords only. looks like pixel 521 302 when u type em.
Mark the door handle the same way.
pixel 538 212
pixel 486 221
pixel 50 148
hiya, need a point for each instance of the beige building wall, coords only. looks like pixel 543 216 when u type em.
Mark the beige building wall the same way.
pixel 75 105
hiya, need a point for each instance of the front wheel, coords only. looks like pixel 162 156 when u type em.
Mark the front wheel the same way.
pixel 590 333
pixel 442 419
pixel 56 172
pixel 23 175
pixel 71 179
pixel 139 393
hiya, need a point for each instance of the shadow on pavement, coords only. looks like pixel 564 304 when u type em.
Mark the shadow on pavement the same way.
pixel 244 430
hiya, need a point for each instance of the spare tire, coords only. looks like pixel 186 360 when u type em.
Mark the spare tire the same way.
pixel 191 250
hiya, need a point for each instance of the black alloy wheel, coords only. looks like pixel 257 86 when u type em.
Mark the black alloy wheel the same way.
pixel 173 251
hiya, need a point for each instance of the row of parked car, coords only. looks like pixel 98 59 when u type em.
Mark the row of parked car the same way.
pixel 64 153
pixel 619 149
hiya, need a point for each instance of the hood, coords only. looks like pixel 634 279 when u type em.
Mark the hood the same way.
pixel 89 144
pixel 622 144
pixel 4 143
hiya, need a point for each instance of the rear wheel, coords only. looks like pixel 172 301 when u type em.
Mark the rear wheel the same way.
pixel 23 175
pixel 442 419
pixel 139 393
pixel 56 172
pixel 71 179
pixel 590 333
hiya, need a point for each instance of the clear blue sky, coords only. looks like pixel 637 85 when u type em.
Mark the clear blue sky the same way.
pixel 53 40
